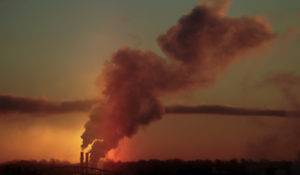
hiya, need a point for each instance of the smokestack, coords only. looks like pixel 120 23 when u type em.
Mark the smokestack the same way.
pixel 87 159
pixel 81 162
pixel 86 163
pixel 81 158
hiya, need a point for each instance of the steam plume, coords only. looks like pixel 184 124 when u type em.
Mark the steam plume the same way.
pixel 201 46
pixel 18 104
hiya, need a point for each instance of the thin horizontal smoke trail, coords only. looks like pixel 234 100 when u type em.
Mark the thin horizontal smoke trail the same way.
pixel 230 110
pixel 24 105
pixel 10 104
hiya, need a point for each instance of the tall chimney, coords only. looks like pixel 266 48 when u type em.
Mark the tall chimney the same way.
pixel 81 159
pixel 81 162
pixel 87 163
pixel 87 159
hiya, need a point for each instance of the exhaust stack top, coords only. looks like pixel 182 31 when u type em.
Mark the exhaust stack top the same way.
pixel 87 159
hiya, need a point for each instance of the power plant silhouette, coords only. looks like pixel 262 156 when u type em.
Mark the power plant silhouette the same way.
pixel 84 166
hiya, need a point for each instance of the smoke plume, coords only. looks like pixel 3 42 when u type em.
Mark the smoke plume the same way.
pixel 288 84
pixel 201 46
pixel 284 143
pixel 17 104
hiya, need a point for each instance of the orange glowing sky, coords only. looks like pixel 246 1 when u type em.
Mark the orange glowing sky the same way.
pixel 57 49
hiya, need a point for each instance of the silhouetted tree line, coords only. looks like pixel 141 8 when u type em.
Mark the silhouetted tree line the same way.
pixel 32 167
pixel 204 167
pixel 159 167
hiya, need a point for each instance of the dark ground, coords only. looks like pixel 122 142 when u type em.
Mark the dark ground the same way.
pixel 158 167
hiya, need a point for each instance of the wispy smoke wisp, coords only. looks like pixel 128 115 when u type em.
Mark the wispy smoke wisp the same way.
pixel 283 143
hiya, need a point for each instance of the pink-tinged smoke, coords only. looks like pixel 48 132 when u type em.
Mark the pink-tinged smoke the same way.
pixel 201 46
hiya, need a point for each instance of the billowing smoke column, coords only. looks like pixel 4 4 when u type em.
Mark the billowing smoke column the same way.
pixel 202 45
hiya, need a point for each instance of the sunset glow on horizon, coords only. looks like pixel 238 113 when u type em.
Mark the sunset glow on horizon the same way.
pixel 141 80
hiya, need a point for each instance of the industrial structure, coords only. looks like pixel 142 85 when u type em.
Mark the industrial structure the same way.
pixel 84 166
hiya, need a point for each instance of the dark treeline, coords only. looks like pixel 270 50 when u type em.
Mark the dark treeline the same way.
pixel 204 167
pixel 159 167
pixel 32 167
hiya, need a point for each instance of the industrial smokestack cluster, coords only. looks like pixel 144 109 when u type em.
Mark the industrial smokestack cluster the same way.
pixel 84 166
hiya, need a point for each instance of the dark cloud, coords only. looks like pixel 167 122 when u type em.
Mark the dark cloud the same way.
pixel 10 104
pixel 230 110
pixel 24 105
